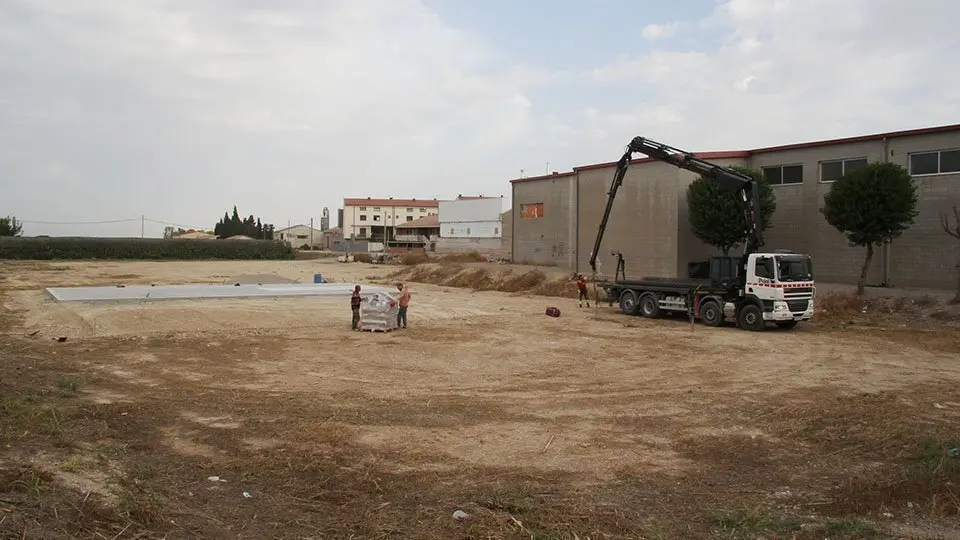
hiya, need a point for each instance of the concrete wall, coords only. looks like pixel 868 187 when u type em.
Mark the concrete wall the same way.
pixel 551 238
pixel 506 226
pixel 471 218
pixel 642 224
pixel 926 256
pixel 463 245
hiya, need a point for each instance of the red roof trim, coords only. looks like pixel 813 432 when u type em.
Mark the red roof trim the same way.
pixel 542 177
pixel 426 203
pixel 860 138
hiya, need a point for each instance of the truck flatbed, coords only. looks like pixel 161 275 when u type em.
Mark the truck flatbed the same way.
pixel 663 284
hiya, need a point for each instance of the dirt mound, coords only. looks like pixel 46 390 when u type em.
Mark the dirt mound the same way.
pixel 482 279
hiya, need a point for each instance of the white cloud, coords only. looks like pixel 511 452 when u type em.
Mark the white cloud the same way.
pixel 659 31
pixel 281 110
pixel 792 70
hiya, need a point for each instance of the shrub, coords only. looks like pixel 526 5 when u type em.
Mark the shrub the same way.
pixel 66 248
pixel 414 258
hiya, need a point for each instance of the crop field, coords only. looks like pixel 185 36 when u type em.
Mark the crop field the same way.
pixel 265 418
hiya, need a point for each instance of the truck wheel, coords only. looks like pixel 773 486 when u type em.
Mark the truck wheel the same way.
pixel 710 313
pixel 750 318
pixel 787 325
pixel 649 306
pixel 628 302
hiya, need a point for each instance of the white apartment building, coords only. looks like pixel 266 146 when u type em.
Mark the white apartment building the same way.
pixel 369 218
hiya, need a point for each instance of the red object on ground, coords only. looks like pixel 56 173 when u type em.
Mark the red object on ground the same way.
pixel 553 312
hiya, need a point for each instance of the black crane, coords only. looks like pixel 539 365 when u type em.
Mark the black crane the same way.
pixel 745 187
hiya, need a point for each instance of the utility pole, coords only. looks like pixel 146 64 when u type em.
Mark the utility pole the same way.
pixel 143 220
pixel 311 233
pixel 546 170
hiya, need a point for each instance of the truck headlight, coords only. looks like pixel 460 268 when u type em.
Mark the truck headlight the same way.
pixel 780 306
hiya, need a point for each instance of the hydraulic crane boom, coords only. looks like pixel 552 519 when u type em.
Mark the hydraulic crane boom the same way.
pixel 745 187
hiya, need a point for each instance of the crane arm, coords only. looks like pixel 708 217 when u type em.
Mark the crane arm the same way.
pixel 745 187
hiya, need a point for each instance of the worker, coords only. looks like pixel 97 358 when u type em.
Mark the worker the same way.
pixel 355 307
pixel 404 303
pixel 582 290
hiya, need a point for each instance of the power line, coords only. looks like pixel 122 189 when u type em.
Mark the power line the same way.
pixel 78 222
pixel 174 224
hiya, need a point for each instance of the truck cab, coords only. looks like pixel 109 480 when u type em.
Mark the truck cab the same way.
pixel 782 283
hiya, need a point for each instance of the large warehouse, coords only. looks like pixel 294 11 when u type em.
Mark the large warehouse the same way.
pixel 555 217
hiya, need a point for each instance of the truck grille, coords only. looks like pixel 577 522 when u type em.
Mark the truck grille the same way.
pixel 798 306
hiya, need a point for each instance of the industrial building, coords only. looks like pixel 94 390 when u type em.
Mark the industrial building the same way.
pixel 555 217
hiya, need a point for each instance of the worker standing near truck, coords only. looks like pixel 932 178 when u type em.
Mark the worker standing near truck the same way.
pixel 355 306
pixel 582 290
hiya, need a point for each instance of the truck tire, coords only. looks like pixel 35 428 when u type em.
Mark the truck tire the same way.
pixel 787 325
pixel 649 306
pixel 711 314
pixel 628 302
pixel 750 318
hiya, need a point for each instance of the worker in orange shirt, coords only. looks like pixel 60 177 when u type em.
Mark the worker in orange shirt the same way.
pixel 404 303
pixel 582 290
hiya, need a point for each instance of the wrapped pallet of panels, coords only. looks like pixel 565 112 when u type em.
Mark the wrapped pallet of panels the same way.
pixel 378 313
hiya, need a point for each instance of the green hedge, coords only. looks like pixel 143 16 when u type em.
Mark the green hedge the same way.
pixel 66 248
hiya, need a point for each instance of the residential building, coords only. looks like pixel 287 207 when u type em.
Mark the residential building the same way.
pixel 555 217
pixel 417 235
pixel 470 224
pixel 376 219
pixel 300 236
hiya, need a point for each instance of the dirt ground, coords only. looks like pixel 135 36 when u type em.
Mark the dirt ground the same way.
pixel 272 419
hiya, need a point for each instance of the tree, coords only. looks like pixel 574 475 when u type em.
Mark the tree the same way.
pixel 232 225
pixel 716 215
pixel 871 205
pixel 954 231
pixel 10 226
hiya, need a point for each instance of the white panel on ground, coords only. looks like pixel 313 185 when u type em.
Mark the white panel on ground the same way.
pixel 185 292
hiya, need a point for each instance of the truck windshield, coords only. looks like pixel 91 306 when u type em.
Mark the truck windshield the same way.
pixel 794 269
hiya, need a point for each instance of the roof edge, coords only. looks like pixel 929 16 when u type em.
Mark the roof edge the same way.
pixel 732 154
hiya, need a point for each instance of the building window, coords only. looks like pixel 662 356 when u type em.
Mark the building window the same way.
pixel 940 162
pixel 468 230
pixel 831 171
pixel 783 174
pixel 409 218
pixel 363 208
pixel 531 211
pixel 496 230
pixel 451 231
pixel 363 232
pixel 376 208
pixel 376 217
pixel 409 209
pixel 363 217
pixel 423 209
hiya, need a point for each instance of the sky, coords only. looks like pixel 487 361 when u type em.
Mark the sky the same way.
pixel 177 110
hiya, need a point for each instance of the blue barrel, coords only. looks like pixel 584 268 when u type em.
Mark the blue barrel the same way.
pixel 318 278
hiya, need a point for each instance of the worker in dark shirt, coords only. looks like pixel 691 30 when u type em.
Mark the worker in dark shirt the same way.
pixel 582 290
pixel 355 306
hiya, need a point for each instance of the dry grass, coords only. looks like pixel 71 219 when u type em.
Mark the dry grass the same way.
pixel 849 308
pixel 483 279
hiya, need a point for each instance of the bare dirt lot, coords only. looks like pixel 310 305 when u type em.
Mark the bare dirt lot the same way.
pixel 272 419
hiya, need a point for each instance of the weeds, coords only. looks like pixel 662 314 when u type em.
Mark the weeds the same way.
pixel 67 385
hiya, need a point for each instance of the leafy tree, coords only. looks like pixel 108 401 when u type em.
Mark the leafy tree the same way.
pixel 716 215
pixel 871 205
pixel 10 226
pixel 954 231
